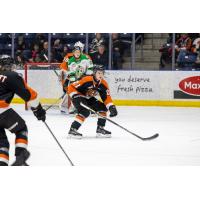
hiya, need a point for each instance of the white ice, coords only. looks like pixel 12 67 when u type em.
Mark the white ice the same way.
pixel 178 142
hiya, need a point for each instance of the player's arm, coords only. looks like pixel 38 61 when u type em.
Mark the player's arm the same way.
pixel 106 98
pixel 18 85
pixel 89 67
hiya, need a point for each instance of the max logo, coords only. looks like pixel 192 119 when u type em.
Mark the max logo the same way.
pixel 191 85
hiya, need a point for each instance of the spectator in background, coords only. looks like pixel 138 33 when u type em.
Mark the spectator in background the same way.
pixel 196 45
pixel 117 51
pixel 39 40
pixel 27 55
pixel 57 51
pixel 187 53
pixel 20 43
pixel 100 57
pixel 18 58
pixel 97 41
pixel 44 52
pixel 35 52
pixel 37 58
pixel 196 42
pixel 64 51
pixel 22 57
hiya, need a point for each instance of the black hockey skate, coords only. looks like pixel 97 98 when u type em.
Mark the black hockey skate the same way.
pixel 73 133
pixel 3 163
pixel 22 158
pixel 102 133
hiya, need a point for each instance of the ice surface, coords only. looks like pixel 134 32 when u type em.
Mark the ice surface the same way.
pixel 178 143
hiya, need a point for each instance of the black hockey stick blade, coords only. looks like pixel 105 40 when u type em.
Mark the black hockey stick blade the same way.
pixel 136 135
pixel 151 137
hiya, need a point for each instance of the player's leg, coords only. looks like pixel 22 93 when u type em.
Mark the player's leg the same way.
pixel 4 148
pixel 15 124
pixel 82 114
pixel 101 108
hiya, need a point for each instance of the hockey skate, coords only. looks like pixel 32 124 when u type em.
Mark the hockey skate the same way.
pixel 102 133
pixel 74 134
pixel 22 158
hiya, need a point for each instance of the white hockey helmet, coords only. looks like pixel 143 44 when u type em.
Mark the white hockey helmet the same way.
pixel 79 44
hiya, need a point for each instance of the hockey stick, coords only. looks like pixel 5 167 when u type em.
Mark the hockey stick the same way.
pixel 55 102
pixel 142 138
pixel 56 73
pixel 59 144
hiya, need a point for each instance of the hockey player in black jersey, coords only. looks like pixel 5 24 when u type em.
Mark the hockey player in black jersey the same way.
pixel 12 83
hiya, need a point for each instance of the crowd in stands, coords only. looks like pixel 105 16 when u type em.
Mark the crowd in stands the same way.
pixel 30 47
pixel 187 51
pixel 33 47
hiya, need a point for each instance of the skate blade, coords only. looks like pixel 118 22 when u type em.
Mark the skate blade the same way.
pixel 74 137
pixel 103 136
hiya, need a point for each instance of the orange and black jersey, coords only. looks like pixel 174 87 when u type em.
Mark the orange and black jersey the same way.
pixel 12 83
pixel 88 83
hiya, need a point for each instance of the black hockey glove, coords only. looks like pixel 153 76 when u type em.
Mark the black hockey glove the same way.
pixel 39 112
pixel 113 111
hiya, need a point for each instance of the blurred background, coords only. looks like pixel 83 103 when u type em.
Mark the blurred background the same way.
pixel 116 51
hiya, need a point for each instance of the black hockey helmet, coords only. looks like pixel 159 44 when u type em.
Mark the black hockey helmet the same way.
pixel 6 62
pixel 98 68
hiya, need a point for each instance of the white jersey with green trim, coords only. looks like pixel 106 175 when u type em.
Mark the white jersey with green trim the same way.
pixel 79 67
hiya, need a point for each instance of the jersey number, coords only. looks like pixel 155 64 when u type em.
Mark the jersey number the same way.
pixel 2 78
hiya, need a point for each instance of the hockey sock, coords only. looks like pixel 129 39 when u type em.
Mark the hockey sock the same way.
pixel 79 119
pixel 101 121
pixel 4 148
pixel 21 141
pixel 4 156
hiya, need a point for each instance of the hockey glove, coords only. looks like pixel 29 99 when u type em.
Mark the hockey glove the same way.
pixel 39 112
pixel 113 111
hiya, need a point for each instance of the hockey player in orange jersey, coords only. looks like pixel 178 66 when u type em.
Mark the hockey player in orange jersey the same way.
pixel 84 91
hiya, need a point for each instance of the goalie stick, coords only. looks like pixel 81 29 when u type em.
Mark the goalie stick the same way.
pixel 142 138
pixel 55 102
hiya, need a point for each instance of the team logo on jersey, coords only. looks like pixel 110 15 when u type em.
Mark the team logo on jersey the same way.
pixel 190 85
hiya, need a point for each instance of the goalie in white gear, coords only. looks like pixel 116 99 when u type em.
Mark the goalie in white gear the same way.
pixel 65 104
